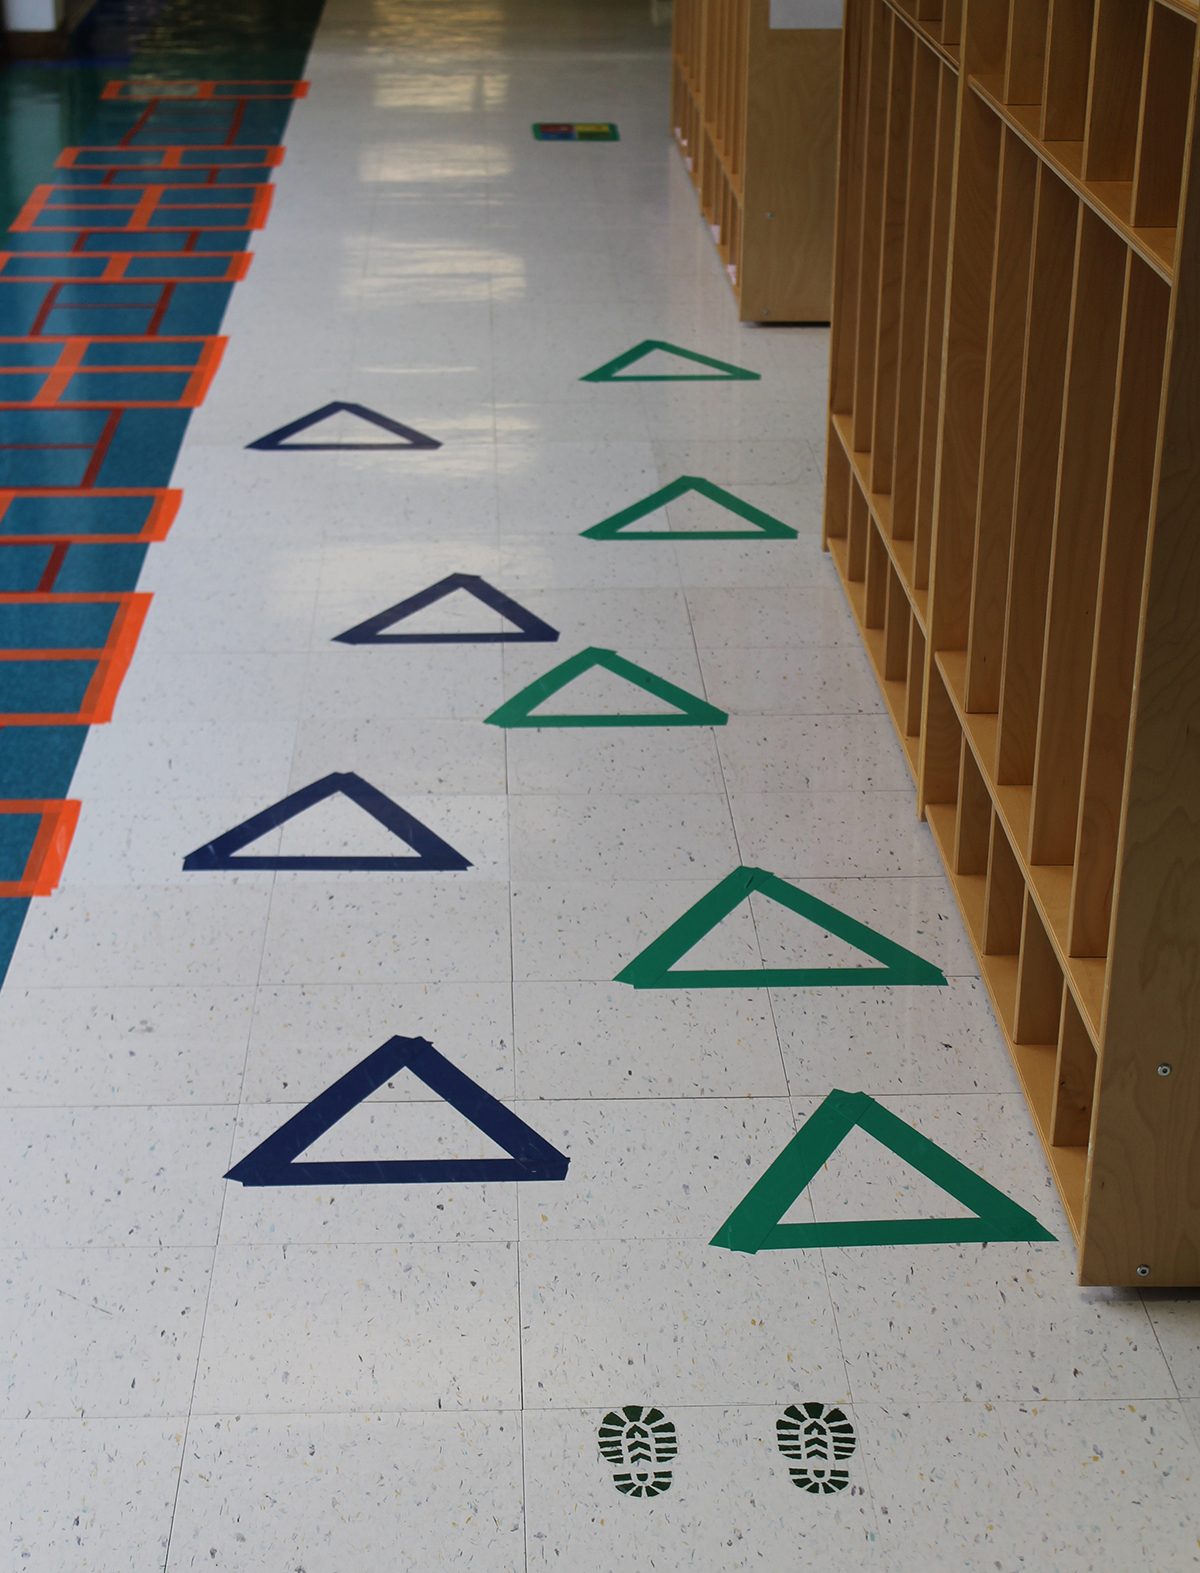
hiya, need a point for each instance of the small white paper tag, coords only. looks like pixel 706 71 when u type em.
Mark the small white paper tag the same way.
pixel 806 13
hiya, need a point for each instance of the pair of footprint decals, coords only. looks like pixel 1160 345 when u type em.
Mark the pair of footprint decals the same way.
pixel 641 1444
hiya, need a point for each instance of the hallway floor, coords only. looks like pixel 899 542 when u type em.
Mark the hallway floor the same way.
pixel 363 1352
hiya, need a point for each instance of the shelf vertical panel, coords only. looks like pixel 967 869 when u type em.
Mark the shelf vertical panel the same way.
pixel 1143 1205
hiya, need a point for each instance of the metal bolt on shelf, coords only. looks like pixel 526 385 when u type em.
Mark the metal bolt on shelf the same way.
pixel 1164 1069
pixel 1143 1271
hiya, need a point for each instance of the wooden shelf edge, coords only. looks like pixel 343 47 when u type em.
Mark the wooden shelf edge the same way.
pixel 892 689
pixel 1085 975
pixel 880 507
pixel 1156 247
pixel 1034 1063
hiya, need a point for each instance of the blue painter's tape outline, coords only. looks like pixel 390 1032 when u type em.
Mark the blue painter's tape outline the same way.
pixel 533 629
pixel 276 441
pixel 433 855
pixel 531 1157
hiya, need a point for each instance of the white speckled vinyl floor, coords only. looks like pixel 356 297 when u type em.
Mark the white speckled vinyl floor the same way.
pixel 365 1378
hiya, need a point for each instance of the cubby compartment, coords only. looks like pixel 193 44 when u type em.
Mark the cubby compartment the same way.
pixel 1025 52
pixel 1099 89
pixel 1011 508
pixel 1166 91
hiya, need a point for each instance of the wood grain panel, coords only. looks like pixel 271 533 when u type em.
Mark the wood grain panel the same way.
pixel 1005 896
pixel 1078 529
pixel 1055 224
pixel 1001 423
pixel 1170 54
pixel 1068 60
pixel 973 822
pixel 874 158
pixel 1074 1080
pixel 1144 334
pixel 1144 1194
pixel 914 300
pixel 1114 95
pixel 967 317
pixel 856 53
pixel 891 263
pixel 1039 983
pixel 1025 59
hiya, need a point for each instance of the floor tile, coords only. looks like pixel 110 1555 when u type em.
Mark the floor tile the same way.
pixel 110 1332
pixel 90 1493
pixel 649 1169
pixel 668 1323
pixel 346 1328
pixel 400 929
pixel 965 1486
pixel 367 1487
pixel 121 1045
pixel 140 1177
pixel 664 836
pixel 603 1040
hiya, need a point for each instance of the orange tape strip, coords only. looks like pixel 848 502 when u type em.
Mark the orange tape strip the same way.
pixel 24 220
pixel 112 662
pixel 44 865
pixel 68 363
pixel 158 521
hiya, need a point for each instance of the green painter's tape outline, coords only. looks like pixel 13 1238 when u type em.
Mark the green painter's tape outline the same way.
pixel 754 1224
pixel 651 969
pixel 723 372
pixel 765 528
pixel 516 711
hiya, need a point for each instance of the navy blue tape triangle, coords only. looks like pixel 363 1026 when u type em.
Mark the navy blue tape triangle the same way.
pixel 531 1157
pixel 532 629
pixel 430 853
pixel 279 441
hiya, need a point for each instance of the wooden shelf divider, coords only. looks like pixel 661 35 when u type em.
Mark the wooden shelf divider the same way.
pixel 1013 507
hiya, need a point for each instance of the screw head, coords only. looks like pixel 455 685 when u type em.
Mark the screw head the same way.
pixel 770 215
pixel 1164 1069
pixel 1143 1271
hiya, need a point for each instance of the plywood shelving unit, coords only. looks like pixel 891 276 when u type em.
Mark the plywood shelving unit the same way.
pixel 1013 505
pixel 755 112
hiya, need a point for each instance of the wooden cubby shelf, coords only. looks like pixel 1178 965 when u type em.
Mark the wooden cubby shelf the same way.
pixel 754 110
pixel 1013 507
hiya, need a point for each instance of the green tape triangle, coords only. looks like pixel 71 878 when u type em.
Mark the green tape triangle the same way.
pixel 652 968
pixel 720 370
pixel 754 1224
pixel 691 711
pixel 764 527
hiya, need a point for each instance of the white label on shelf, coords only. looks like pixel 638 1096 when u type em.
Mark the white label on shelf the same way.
pixel 806 13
